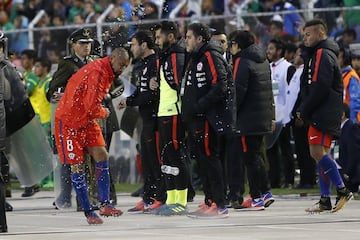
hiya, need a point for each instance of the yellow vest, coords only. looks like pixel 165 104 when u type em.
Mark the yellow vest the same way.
pixel 39 101
pixel 170 103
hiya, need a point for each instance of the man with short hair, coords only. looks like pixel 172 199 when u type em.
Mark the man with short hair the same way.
pixel 321 106
pixel 143 49
pixel 77 129
pixel 206 113
pixel 171 129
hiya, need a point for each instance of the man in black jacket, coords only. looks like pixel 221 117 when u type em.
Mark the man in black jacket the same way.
pixel 349 150
pixel 171 129
pixel 142 47
pixel 254 113
pixel 206 113
pixel 321 106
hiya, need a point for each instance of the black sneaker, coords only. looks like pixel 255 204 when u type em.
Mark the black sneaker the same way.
pixel 323 205
pixel 8 207
pixel 29 191
pixel 343 197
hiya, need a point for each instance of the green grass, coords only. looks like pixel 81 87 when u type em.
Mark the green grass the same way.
pixel 129 188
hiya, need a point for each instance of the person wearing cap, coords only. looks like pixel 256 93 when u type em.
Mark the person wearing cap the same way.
pixel 77 129
pixel 206 96
pixel 351 79
pixel 81 42
pixel 254 108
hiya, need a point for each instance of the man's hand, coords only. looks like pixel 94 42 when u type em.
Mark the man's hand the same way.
pixel 153 84
pixel 107 112
pixel 56 96
pixel 122 103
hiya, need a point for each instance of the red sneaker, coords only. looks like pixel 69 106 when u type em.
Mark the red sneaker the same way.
pixel 109 210
pixel 247 203
pixel 139 208
pixel 92 218
pixel 155 205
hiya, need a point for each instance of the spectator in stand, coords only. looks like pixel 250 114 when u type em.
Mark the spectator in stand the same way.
pixel 59 36
pixel 207 9
pixel 115 35
pixel 79 19
pixel 348 37
pixel 352 17
pixel 77 8
pixel 20 40
pixel 292 21
pixel 276 27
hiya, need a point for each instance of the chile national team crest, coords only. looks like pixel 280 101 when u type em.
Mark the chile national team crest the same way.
pixel 199 66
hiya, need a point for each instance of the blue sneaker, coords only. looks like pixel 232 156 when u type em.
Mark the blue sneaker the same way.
pixel 173 209
pixel 160 209
pixel 268 199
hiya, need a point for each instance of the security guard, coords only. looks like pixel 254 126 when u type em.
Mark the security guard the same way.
pixel 81 43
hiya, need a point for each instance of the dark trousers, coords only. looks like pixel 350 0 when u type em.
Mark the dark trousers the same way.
pixel 172 136
pixel 281 160
pixel 306 164
pixel 154 184
pixel 253 154
pixel 234 172
pixel 3 224
pixel 206 151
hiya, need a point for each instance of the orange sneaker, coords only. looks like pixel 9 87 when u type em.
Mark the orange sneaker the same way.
pixel 109 210
pixel 247 202
pixel 139 208
pixel 152 207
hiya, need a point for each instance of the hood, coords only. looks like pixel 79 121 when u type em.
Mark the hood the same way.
pixel 177 47
pixel 326 44
pixel 206 47
pixel 254 53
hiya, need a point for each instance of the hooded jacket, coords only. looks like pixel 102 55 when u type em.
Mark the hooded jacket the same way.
pixel 205 90
pixel 84 93
pixel 322 88
pixel 254 97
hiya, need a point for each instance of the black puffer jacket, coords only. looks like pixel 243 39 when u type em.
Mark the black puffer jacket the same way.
pixel 322 88
pixel 254 98
pixel 144 97
pixel 206 89
pixel 18 107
